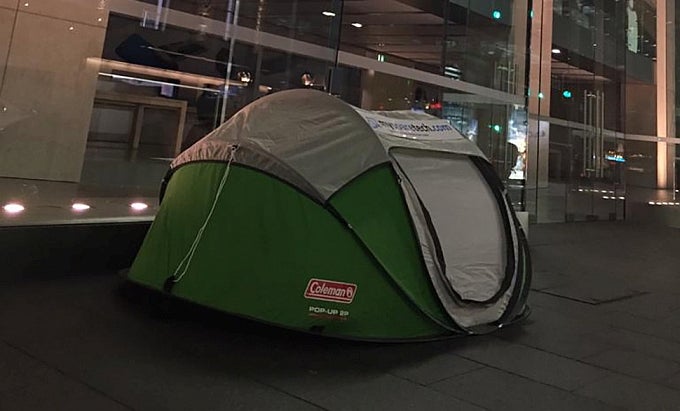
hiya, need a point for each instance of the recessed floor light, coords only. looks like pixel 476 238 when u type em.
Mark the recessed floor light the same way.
pixel 357 25
pixel 80 207
pixel 13 208
pixel 328 13
pixel 139 206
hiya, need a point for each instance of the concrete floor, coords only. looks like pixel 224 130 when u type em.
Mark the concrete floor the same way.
pixel 604 333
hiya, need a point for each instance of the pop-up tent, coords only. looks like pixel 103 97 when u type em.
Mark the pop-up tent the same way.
pixel 305 212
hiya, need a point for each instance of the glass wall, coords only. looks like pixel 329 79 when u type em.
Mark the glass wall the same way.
pixel 602 108
pixel 98 97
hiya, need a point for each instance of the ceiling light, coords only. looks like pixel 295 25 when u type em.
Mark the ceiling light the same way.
pixel 328 13
pixel 245 76
pixel 80 207
pixel 13 208
pixel 556 51
pixel 357 25
pixel 139 206
pixel 307 79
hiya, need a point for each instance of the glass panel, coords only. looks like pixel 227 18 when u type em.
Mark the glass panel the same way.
pixel 486 43
pixel 602 89
pixel 395 32
pixel 97 98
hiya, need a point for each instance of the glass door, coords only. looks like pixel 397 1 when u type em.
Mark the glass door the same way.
pixel 595 190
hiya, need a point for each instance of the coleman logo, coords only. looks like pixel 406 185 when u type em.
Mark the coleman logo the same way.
pixel 326 290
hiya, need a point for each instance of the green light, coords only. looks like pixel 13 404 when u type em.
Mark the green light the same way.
pixel 496 14
pixel 540 94
pixel 381 57
pixel 531 14
pixel 496 128
pixel 566 94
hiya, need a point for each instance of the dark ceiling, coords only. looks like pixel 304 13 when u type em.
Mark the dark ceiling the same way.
pixel 405 31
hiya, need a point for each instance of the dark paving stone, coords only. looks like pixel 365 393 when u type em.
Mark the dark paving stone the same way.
pixel 673 382
pixel 547 279
pixel 673 320
pixel 655 306
pixel 666 330
pixel 562 342
pixel 631 393
pixel 558 333
pixel 499 390
pixel 564 315
pixel 28 384
pixel 436 369
pixel 532 363
pixel 646 344
pixel 635 364
pixel 583 312
pixel 590 293
pixel 336 391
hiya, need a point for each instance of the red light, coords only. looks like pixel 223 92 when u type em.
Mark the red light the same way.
pixel 435 106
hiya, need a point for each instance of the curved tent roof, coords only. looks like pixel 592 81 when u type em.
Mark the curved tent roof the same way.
pixel 286 134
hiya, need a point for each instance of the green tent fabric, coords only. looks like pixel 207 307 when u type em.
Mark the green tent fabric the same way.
pixel 307 213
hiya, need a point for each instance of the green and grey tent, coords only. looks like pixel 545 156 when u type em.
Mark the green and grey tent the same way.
pixel 305 212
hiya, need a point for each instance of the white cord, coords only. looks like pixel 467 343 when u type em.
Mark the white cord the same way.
pixel 192 250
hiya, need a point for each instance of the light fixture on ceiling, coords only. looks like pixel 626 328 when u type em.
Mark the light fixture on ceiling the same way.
pixel 307 79
pixel 328 13
pixel 245 76
pixel 453 72
pixel 556 51
pixel 357 25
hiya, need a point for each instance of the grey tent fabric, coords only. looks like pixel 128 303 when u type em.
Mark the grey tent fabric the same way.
pixel 287 132
pixel 297 127
pixel 465 315
pixel 466 217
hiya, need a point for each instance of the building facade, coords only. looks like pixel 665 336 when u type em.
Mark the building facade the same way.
pixel 602 109
pixel 572 101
